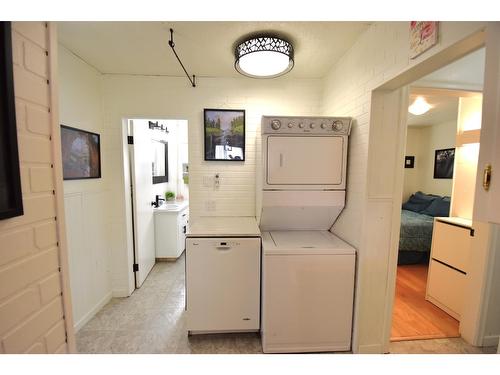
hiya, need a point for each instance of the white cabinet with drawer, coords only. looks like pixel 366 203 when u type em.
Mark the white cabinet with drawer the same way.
pixel 170 231
pixel 450 251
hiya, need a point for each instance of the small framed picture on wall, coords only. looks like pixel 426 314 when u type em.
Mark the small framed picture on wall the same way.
pixel 443 163
pixel 409 161
pixel 224 131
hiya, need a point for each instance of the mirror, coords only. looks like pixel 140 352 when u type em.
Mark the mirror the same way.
pixel 160 161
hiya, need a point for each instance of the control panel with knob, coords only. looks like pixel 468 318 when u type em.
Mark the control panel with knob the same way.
pixel 290 125
pixel 323 125
pixel 337 125
pixel 301 125
pixel 312 125
pixel 275 124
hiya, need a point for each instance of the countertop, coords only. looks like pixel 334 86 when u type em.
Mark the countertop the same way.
pixel 460 221
pixel 164 208
pixel 234 226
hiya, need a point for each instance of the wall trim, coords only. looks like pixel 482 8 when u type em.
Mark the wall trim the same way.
pixel 370 349
pixel 491 340
pixel 88 316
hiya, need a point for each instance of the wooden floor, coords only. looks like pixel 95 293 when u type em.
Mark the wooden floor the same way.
pixel 415 318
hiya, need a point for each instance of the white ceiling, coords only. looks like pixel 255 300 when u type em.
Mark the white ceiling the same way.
pixel 206 48
pixel 464 74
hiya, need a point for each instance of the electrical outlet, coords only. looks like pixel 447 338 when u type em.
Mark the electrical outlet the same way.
pixel 210 205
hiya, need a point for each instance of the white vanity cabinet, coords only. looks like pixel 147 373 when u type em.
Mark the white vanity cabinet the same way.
pixel 448 265
pixel 170 231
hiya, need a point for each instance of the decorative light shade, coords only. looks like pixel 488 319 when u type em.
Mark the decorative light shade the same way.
pixel 264 57
pixel 419 106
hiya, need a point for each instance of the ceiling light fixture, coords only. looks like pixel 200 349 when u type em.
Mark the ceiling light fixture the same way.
pixel 264 57
pixel 419 106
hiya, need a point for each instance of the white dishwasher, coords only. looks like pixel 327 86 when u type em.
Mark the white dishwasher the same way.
pixel 223 257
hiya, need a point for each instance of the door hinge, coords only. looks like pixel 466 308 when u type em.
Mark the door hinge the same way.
pixel 135 267
pixel 471 232
pixel 130 140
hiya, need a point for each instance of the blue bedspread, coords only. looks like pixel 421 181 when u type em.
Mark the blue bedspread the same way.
pixel 416 232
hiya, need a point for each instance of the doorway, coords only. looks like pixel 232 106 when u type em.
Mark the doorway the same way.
pixel 438 194
pixel 157 181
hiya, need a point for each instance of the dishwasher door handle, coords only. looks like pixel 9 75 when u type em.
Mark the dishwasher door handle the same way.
pixel 223 247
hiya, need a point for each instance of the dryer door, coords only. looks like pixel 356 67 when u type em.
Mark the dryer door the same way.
pixel 305 161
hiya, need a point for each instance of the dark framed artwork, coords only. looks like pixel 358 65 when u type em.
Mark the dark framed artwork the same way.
pixel 81 153
pixel 11 199
pixel 409 161
pixel 160 161
pixel 224 133
pixel 443 163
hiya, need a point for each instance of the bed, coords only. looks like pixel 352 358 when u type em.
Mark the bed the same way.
pixel 417 218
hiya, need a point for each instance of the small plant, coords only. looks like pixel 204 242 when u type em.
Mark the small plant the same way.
pixel 169 195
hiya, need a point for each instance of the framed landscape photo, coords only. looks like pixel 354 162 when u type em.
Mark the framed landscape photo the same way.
pixel 11 199
pixel 443 163
pixel 81 154
pixel 224 133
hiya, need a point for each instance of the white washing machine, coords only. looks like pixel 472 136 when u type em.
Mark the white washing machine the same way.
pixel 307 292
pixel 307 272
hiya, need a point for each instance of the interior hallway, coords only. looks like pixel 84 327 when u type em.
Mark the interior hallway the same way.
pixel 152 320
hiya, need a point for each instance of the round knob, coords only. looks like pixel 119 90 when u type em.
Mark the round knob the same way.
pixel 275 124
pixel 323 126
pixel 312 125
pixel 290 125
pixel 301 125
pixel 337 125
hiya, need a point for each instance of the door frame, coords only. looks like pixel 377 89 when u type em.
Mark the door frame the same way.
pixel 384 187
pixel 128 192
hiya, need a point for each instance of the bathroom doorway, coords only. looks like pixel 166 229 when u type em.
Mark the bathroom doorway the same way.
pixel 157 178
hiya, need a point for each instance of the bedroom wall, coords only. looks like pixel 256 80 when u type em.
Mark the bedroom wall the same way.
pixel 422 142
pixel 87 222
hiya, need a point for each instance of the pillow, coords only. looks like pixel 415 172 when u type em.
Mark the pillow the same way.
pixel 419 201
pixel 438 207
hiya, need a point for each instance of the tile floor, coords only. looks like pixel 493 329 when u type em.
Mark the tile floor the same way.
pixel 152 320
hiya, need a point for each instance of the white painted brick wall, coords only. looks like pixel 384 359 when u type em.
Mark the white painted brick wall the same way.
pixel 378 55
pixel 173 98
pixel 31 312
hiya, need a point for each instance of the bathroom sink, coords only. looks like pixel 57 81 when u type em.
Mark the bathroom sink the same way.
pixel 171 206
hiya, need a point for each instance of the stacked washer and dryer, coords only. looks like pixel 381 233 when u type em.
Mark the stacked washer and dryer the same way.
pixel 307 272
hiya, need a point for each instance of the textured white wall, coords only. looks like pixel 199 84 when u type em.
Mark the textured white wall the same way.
pixel 173 98
pixel 379 54
pixel 31 305
pixel 87 219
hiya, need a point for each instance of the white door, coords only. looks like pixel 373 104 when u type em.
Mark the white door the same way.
pixel 487 202
pixel 304 160
pixel 142 196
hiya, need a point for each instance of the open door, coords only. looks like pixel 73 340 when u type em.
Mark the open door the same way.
pixel 487 202
pixel 483 282
pixel 142 177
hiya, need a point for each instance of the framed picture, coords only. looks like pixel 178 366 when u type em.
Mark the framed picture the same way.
pixel 11 199
pixel 443 163
pixel 409 161
pixel 423 36
pixel 224 131
pixel 81 154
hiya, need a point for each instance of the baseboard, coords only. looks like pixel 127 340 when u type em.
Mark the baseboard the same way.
pixel 121 293
pixel 491 340
pixel 92 312
pixel 369 349
pixel 167 259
